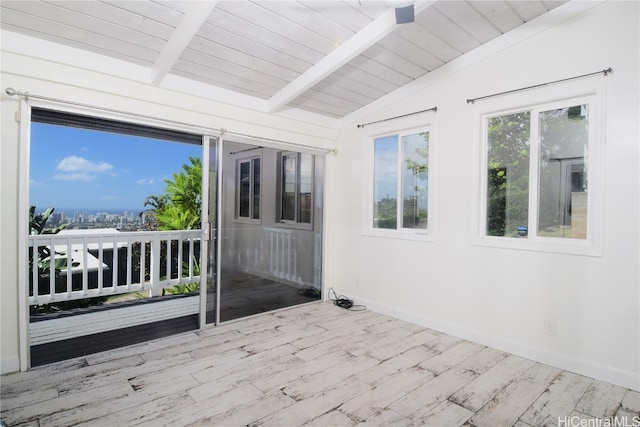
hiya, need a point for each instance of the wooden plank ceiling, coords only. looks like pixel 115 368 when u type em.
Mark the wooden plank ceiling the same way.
pixel 326 57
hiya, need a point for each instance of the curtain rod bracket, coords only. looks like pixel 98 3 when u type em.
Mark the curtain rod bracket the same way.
pixel 12 92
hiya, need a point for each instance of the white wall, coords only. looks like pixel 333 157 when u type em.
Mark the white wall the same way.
pixel 501 297
pixel 57 71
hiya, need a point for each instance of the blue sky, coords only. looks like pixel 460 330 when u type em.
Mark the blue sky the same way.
pixel 386 166
pixel 85 169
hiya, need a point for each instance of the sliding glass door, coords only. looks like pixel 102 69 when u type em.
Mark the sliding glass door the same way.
pixel 270 229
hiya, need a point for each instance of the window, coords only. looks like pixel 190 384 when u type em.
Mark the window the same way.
pixel 248 189
pixel 539 173
pixel 296 187
pixel 401 181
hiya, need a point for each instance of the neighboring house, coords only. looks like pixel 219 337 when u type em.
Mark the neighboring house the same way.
pixel 474 247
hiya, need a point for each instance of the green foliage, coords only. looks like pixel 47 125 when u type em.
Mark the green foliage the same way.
pixel 386 213
pixel 155 204
pixel 182 289
pixel 422 166
pixel 180 206
pixel 174 218
pixel 185 287
pixel 508 173
pixel 37 223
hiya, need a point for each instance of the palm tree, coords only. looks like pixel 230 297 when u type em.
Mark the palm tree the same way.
pixel 156 204
pixel 179 208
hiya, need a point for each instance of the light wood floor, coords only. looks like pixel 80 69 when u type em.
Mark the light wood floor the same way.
pixel 315 364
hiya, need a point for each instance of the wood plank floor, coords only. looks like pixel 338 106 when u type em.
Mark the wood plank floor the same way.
pixel 312 365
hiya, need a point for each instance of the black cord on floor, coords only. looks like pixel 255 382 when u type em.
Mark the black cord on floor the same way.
pixel 344 302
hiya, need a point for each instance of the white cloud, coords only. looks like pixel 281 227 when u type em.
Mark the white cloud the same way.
pixel 144 181
pixel 74 168
pixel 80 164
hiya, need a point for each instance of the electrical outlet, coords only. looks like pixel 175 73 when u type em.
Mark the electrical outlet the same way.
pixel 550 327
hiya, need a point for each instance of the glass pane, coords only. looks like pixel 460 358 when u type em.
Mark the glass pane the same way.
pixel 385 182
pixel 562 202
pixel 256 189
pixel 415 170
pixel 288 187
pixel 265 267
pixel 508 175
pixel 306 184
pixel 244 177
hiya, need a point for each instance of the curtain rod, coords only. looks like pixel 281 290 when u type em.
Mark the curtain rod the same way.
pixel 434 109
pixel 603 72
pixel 246 149
pixel 26 95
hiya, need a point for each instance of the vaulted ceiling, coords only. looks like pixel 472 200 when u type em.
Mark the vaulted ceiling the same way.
pixel 327 57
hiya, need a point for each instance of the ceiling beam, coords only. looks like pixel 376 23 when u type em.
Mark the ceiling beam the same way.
pixel 197 12
pixel 358 43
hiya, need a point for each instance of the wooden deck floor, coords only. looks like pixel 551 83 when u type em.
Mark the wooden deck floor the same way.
pixel 315 365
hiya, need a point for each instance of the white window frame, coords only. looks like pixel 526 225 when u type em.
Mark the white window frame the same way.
pixel 419 234
pixel 296 222
pixel 236 217
pixel 541 100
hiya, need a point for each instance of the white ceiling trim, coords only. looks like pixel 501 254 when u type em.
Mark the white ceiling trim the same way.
pixel 196 14
pixel 529 29
pixel 358 43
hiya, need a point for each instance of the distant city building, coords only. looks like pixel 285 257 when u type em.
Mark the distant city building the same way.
pixel 124 221
pixel 55 218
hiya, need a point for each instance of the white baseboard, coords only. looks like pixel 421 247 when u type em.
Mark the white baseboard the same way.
pixel 626 379
pixel 9 364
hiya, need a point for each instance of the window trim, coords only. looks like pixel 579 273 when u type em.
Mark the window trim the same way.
pixel 540 100
pixel 294 223
pixel 236 217
pixel 401 233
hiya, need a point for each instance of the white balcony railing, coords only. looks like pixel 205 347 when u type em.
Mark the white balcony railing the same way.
pixel 90 264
